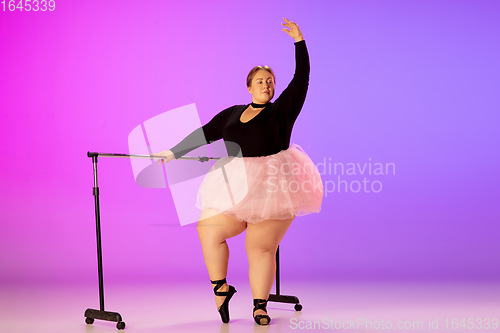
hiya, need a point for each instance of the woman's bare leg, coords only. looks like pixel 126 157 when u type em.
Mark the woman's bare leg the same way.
pixel 262 240
pixel 213 230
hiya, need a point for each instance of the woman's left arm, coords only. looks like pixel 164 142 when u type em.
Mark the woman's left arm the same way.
pixel 292 98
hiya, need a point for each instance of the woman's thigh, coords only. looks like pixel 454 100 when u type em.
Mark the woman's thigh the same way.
pixel 216 226
pixel 266 235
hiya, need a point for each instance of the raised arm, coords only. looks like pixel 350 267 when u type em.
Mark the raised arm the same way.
pixel 292 98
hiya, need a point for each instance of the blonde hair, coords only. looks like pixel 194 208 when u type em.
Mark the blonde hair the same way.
pixel 255 70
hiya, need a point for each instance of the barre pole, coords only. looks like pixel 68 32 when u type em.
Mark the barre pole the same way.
pixel 151 157
pixel 102 314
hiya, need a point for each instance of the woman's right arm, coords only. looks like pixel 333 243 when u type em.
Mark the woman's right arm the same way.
pixel 208 133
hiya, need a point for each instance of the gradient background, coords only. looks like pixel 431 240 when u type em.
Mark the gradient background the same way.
pixel 414 83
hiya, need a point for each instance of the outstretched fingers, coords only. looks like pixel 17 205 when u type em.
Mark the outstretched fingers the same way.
pixel 288 24
pixel 294 31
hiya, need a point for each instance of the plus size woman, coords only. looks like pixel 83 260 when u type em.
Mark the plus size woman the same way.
pixel 274 181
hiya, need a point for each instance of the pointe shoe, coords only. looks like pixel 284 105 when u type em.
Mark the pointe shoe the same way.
pixel 260 304
pixel 224 308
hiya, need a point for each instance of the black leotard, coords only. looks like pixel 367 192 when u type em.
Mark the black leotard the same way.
pixel 268 132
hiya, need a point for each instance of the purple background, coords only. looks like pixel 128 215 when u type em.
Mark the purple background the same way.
pixel 414 83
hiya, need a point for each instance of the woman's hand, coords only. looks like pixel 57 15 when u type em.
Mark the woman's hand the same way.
pixel 294 31
pixel 167 154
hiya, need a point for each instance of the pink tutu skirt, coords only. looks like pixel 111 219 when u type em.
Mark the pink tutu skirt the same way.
pixel 254 189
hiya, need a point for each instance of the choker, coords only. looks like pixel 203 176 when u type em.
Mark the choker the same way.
pixel 258 106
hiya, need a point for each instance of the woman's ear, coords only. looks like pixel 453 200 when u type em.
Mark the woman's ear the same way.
pixel 249 89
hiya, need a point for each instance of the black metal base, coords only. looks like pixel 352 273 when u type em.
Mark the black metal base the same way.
pixel 286 299
pixel 91 314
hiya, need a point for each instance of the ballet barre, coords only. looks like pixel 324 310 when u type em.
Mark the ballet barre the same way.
pixel 151 157
pixel 102 314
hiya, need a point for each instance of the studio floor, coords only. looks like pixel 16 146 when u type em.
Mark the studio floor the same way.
pixel 327 306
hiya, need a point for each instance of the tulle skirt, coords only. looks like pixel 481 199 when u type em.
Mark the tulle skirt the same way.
pixel 254 189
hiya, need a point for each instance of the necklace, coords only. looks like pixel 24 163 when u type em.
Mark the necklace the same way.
pixel 258 106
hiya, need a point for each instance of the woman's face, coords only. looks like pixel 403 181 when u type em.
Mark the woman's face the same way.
pixel 262 87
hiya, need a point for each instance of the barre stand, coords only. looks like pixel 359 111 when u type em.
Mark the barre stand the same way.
pixel 101 314
pixel 283 298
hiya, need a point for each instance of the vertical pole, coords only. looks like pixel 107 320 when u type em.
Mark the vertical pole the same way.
pixel 228 187
pixel 278 270
pixel 98 233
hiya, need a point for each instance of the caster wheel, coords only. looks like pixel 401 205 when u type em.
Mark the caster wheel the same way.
pixel 298 307
pixel 89 320
pixel 120 325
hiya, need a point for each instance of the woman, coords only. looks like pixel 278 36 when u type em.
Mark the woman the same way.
pixel 281 181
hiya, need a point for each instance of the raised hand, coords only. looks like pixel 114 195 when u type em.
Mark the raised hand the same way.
pixel 294 31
